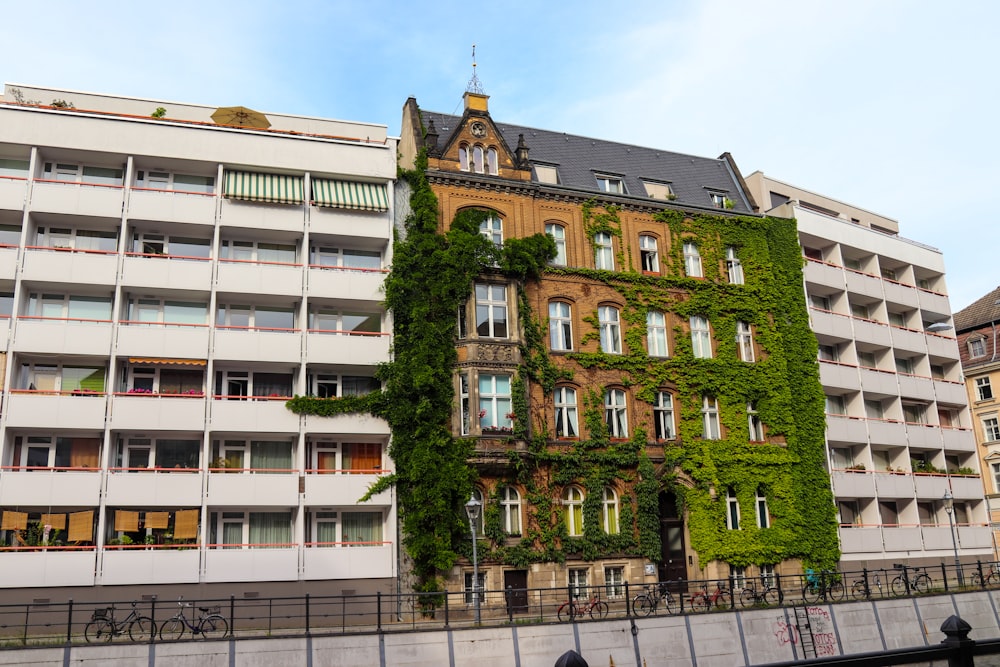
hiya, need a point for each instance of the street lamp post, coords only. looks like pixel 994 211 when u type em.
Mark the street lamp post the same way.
pixel 949 507
pixel 472 509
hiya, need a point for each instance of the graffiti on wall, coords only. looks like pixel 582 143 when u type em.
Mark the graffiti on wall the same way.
pixel 822 631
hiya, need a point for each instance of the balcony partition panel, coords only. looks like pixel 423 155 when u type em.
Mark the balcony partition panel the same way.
pixel 902 538
pixel 905 295
pixel 942 346
pixel 358 349
pixel 253 414
pixel 172 206
pixel 951 393
pixel 251 565
pixel 70 410
pixel 862 283
pixel 163 340
pixel 350 224
pixel 966 487
pixel 13 193
pixel 150 566
pixel 892 485
pixel 839 375
pixel 242 344
pixel 82 199
pixel 43 487
pixel 346 283
pixel 840 428
pixel 51 567
pixel 8 263
pixel 909 340
pixel 958 439
pixel 167 272
pixel 859 539
pixel 343 562
pixel 153 487
pixel 874 333
pixel 70 267
pixel 975 537
pixel 884 432
pixel 151 412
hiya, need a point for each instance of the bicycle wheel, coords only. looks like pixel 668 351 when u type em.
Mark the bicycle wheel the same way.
pixel 567 611
pixel 748 597
pixel 642 605
pixel 921 584
pixel 722 600
pixel 214 627
pixel 858 591
pixel 99 630
pixel 670 603
pixel 977 580
pixel 811 593
pixel 899 586
pixel 172 629
pixel 142 629
pixel 599 609
pixel 836 591
pixel 699 602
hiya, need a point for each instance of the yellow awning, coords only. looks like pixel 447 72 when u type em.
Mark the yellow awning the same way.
pixel 155 361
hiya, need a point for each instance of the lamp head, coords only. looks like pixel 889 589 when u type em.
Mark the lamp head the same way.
pixel 949 501
pixel 472 508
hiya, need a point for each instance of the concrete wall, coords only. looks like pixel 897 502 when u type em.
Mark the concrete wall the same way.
pixel 722 639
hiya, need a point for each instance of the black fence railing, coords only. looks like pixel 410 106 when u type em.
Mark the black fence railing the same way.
pixel 76 622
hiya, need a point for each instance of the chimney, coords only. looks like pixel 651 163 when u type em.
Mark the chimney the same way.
pixel 431 137
pixel 521 153
pixel 476 102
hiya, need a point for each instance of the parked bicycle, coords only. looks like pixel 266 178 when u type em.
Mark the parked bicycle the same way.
pixel 103 626
pixel 210 624
pixel 865 590
pixel 647 602
pixel 573 608
pixel 703 601
pixel 989 577
pixel 765 596
pixel 906 583
pixel 826 585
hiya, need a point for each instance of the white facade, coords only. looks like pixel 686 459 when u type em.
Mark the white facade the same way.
pixel 899 433
pixel 155 316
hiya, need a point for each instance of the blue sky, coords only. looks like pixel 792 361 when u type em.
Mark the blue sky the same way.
pixel 886 104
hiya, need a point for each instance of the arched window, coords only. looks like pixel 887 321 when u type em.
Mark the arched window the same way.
pixel 566 416
pixel 648 253
pixel 656 334
pixel 611 333
pixel 558 234
pixel 492 228
pixel 477 159
pixel 491 161
pixel 510 510
pixel 572 499
pixel 463 157
pixel 615 413
pixel 609 513
pixel 560 326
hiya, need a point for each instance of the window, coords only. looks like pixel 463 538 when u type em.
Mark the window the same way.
pixel 463 324
pixel 94 240
pixel 734 268
pixel 264 455
pixel 463 392
pixel 52 452
pixel 904 365
pixel 692 261
pixel 663 416
pixel 813 253
pixel 889 513
pixel 853 264
pixel 325 457
pixel 326 256
pixel 611 184
pixel 996 475
pixel 656 334
pixel 14 168
pixel 164 380
pixel 888 274
pixel 984 391
pixel 74 173
pixel 767 576
pixel 896 319
pixel 701 338
pixel 604 257
pixel 578 582
pixel 914 413
pixel 760 503
pixel 147 243
pixel 609 511
pixel 744 341
pixel 494 402
pixel 470 593
pixel 867 359
pixel 937 371
pixel 572 499
pixel 710 418
pixel 614 582
pixel 260 318
pixel 977 347
pixel 732 510
pixel 648 255
pixel 659 190
pixel 861 311
pixel 835 405
pixel 479 524
pixel 235 530
pixel 163 454
pixel 463 157
pixel 10 235
pixel 819 302
pixel 991 428
pixel 492 229
pixel 510 510
pixel 363 529
pixel 546 173
pixel 334 385
pixel 558 234
pixel 873 409
pixel 718 199
pixel 241 384
pixel 491 161
pixel 56 378
pixel 344 322
pixel 926 514
pixel 257 251
pixel 756 426
pixel 491 311
pixel 164 311
pixel 737 577
pixel 850 514
pixel 611 336
pixel 560 326
pixel 566 417
pixel 828 353
pixel 71 306
pixel 361 457
pixel 615 415
pixel 841 457
pixel 482 160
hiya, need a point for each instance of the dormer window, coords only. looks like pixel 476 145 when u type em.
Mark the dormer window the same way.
pixel 477 159
pixel 720 200
pixel 611 184
pixel 977 347
pixel 546 173
pixel 659 190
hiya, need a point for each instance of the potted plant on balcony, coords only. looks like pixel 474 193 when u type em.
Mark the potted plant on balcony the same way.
pixel 857 467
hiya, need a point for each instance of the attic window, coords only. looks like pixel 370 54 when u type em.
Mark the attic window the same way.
pixel 659 190
pixel 718 199
pixel 611 184
pixel 477 159
pixel 545 173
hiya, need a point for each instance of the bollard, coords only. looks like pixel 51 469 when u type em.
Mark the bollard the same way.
pixel 957 638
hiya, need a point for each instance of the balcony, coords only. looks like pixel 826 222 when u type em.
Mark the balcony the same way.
pixel 924 435
pixel 248 215
pixel 152 412
pixel 355 349
pixel 164 271
pixel 959 439
pixel 66 566
pixel 885 432
pixel 831 324
pixel 83 199
pixel 894 485
pixel 50 487
pixel 336 488
pixel 13 193
pixel 865 284
pixel 966 487
pixel 931 486
pixel 853 484
pixel 840 428
pixel 250 488
pixel 874 333
pixel 142 565
pixel 341 562
pixel 897 292
pixel 358 424
pixel 839 375
pixel 975 537
pixel 176 341
pixel 937 538
pixel 932 302
pixel 902 538
pixel 68 267
pixel 952 393
pixel 350 224
pixel 338 283
pixel 909 340
pixel 74 410
pixel 8 261
pixel 256 414
pixel 856 539
pixel 942 346
pixel 153 487
pixel 59 335
pixel 248 277
pixel 170 206
pixel 243 343
pixel 879 382
pixel 253 564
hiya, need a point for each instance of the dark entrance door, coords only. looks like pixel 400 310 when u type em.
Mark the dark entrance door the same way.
pixel 515 584
pixel 673 565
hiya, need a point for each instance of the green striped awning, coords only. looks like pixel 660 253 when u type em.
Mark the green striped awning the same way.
pixel 350 195
pixel 273 188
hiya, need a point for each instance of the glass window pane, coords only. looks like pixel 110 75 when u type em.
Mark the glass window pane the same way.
pixel 362 322
pixel 184 313
pixel 362 259
pixel 191 183
pixel 188 247
pixel 102 176
pixel 274 318
pixel 90 308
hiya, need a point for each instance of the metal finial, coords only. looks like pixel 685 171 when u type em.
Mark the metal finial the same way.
pixel 475 85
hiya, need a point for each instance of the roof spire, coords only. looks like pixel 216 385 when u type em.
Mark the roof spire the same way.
pixel 474 85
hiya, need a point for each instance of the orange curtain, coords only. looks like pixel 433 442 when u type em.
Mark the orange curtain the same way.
pixel 85 453
pixel 126 521
pixel 363 456
pixel 326 461
pixel 157 519
pixel 57 521
pixel 14 520
pixel 186 524
pixel 81 526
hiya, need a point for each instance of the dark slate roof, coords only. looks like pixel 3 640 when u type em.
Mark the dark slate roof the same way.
pixel 579 158
pixel 980 312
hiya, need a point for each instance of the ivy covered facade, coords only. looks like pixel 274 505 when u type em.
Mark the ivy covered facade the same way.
pixel 611 351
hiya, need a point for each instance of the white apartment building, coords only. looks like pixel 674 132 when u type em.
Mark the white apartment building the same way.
pixel 166 284
pixel 899 433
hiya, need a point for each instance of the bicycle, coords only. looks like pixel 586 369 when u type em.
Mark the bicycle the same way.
pixel 918 583
pixel 720 599
pixel 767 596
pixel 103 626
pixel 647 602
pixel 989 577
pixel 862 591
pixel 210 624
pixel 823 586
pixel 571 609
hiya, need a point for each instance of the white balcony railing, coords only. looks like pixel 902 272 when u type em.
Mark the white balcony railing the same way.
pixel 60 335
pixel 342 562
pixel 153 487
pixel 251 563
pixel 148 412
pixel 150 565
pixel 265 414
pixel 50 487
pixel 71 410
pixel 66 267
pixel 167 272
pixel 171 206
pixel 66 566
